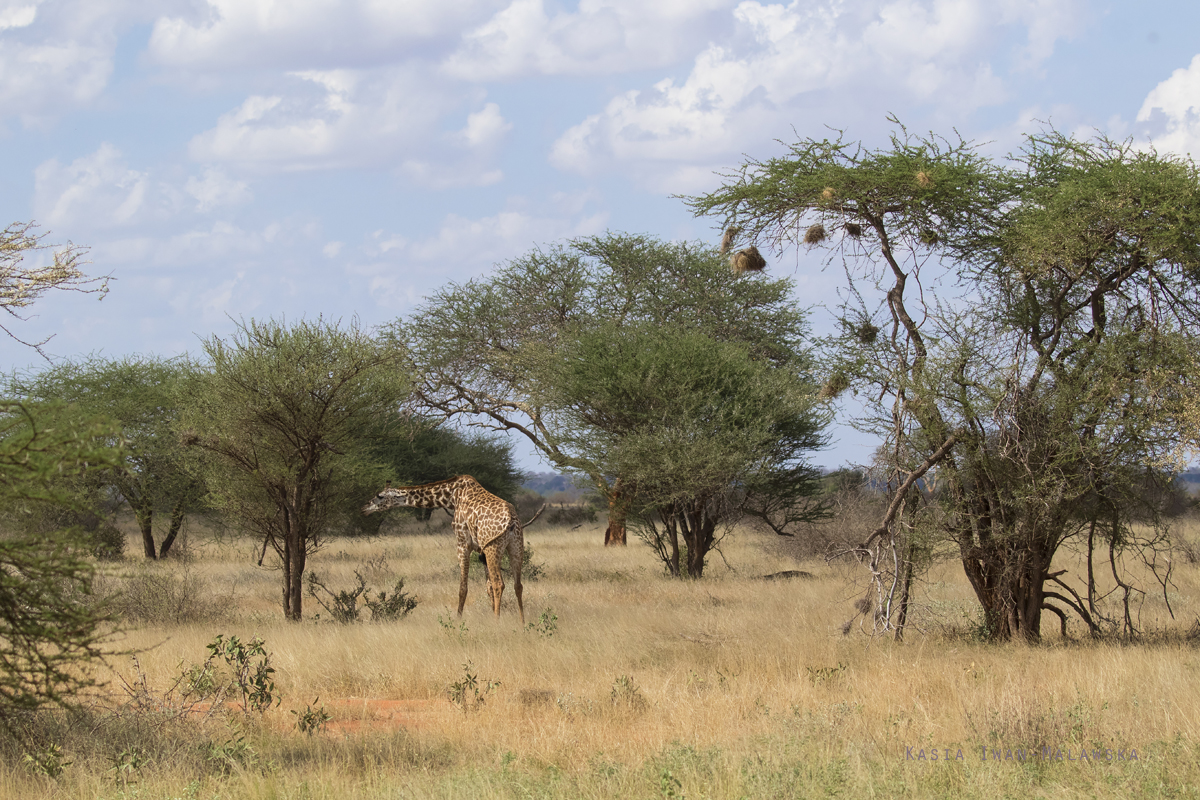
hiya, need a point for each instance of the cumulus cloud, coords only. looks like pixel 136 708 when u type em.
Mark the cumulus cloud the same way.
pixel 328 119
pixel 784 59
pixel 217 189
pixel 17 15
pixel 595 38
pixel 226 35
pixel 1171 112
pixel 42 80
pixel 96 190
pixel 401 269
pixel 485 127
pixel 56 57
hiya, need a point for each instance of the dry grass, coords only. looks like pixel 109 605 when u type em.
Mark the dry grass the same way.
pixel 634 685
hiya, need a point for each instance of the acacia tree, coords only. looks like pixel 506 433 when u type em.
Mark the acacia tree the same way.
pixel 49 631
pixel 1025 357
pixel 21 284
pixel 697 428
pixel 281 413
pixel 489 349
pixel 419 450
pixel 138 394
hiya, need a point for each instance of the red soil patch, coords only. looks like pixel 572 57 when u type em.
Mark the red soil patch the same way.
pixel 356 713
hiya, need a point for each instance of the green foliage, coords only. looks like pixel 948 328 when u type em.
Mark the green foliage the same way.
pixel 913 192
pixel 233 753
pixel 312 720
pixel 469 693
pixel 50 628
pixel 417 450
pixel 686 419
pixel 399 605
pixel 49 761
pixel 252 670
pixel 139 397
pixel 626 694
pixel 1035 362
pixel 287 419
pixel 546 625
pixel 345 608
pixel 497 348
pixel 451 627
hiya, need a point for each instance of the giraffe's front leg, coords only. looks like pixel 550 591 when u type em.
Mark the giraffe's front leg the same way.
pixel 464 565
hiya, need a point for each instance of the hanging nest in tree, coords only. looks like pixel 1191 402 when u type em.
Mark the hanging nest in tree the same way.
pixel 828 194
pixel 866 333
pixel 929 238
pixel 747 260
pixel 837 383
pixel 853 229
pixel 923 178
pixel 727 239
pixel 815 234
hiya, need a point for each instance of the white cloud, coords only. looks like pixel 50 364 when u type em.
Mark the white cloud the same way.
pixel 17 15
pixel 599 37
pixel 93 191
pixel 1172 111
pixel 328 119
pixel 400 269
pixel 217 189
pixel 58 56
pixel 227 35
pixel 786 58
pixel 485 127
pixel 43 80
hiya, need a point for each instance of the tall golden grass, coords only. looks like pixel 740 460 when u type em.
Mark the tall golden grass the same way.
pixel 627 683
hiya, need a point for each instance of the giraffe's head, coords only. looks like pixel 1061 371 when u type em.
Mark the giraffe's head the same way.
pixel 388 498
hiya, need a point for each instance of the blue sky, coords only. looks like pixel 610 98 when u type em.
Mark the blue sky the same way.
pixel 229 159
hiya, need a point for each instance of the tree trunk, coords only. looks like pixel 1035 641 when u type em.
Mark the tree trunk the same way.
pixel 293 574
pixel 905 586
pixel 673 538
pixel 614 534
pixel 1010 586
pixel 145 520
pixel 698 528
pixel 176 526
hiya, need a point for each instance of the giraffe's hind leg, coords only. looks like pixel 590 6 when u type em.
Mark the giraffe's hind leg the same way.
pixel 516 560
pixel 464 564
pixel 495 579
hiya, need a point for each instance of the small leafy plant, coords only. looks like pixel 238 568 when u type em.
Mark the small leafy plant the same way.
pixel 546 625
pixel 625 693
pixel 469 693
pixel 343 605
pixel 252 670
pixel 312 720
pixel 49 761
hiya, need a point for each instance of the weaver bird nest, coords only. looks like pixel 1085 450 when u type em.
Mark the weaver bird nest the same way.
pixel 747 260
pixel 837 383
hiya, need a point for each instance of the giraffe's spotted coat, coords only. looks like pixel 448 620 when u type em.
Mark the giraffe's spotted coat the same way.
pixel 482 522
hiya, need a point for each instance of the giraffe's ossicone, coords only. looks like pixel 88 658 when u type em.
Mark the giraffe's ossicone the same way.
pixel 482 522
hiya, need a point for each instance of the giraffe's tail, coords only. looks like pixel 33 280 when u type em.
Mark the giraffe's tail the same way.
pixel 535 516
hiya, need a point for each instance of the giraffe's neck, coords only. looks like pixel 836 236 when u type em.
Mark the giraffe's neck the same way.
pixel 431 498
pixel 441 495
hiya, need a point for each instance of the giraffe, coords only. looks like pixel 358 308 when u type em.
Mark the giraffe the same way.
pixel 482 522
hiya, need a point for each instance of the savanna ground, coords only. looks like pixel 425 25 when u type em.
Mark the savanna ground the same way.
pixel 625 684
